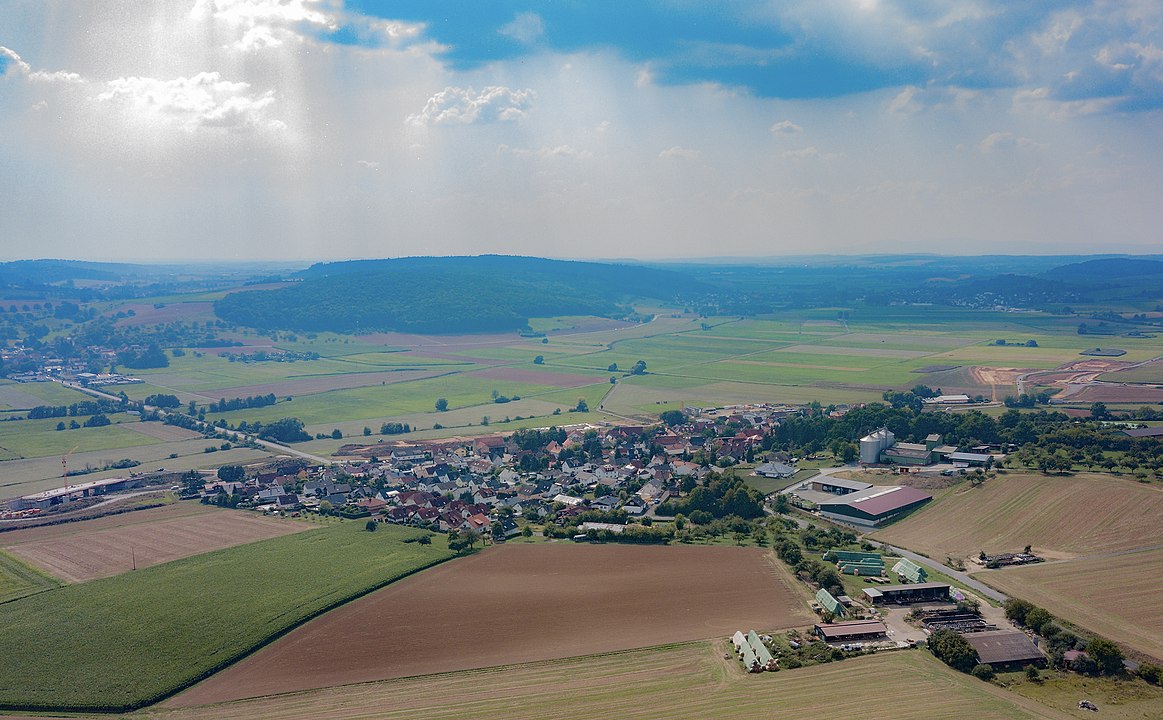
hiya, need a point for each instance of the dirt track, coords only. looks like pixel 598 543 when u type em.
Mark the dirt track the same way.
pixel 520 603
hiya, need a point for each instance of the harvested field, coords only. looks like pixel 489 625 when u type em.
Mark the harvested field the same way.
pixel 1115 596
pixel 1061 517
pixel 80 551
pixel 534 377
pixel 935 368
pixel 1115 394
pixel 161 431
pixel 687 682
pixel 1151 372
pixel 520 603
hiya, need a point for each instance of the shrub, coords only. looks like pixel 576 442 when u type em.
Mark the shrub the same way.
pixel 983 671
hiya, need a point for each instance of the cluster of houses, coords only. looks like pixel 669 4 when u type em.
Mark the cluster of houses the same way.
pixel 474 484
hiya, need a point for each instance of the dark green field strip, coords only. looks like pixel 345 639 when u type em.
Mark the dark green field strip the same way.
pixel 18 579
pixel 130 640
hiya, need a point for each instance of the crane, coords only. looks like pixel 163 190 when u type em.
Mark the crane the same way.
pixel 65 462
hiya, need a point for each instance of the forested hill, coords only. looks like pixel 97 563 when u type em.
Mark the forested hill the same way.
pixel 447 295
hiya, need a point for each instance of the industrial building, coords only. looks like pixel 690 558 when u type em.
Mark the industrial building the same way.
pixel 874 505
pixel 908 594
pixel 46 499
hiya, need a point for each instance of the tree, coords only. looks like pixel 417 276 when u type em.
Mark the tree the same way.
pixel 498 532
pixel 539 360
pixel 672 418
pixel 231 473
pixel 371 526
pixel 325 507
pixel 1017 610
pixel 983 671
pixel 336 434
pixel 953 649
pixel 639 368
pixel 1038 618
pixel 472 537
pixel 1032 674
pixel 613 367
pixel 582 405
pixel 1106 654
pixel 192 482
pixel 366 431
pixel 1098 411
pixel 441 405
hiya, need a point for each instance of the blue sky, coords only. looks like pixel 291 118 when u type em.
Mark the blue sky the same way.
pixel 170 129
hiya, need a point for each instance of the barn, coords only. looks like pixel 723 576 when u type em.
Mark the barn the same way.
pixel 873 506
pixel 1005 648
pixel 854 631
pixel 908 594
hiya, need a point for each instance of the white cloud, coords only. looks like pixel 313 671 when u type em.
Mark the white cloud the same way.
pixel 808 152
pixel 204 100
pixel 526 27
pixel 15 64
pixel 680 153
pixel 785 127
pixel 1005 141
pixel 18 66
pixel 465 106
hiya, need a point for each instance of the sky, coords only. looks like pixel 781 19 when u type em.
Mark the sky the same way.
pixel 163 130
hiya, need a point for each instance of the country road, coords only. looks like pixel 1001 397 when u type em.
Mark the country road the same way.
pixel 222 432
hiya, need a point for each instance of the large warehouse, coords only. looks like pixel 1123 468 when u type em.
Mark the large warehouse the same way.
pixel 874 505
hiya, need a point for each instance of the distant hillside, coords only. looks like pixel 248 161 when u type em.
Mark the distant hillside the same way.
pixel 1107 269
pixel 446 295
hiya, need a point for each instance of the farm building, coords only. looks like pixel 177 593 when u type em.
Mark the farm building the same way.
pixel 908 594
pixel 909 571
pixel 856 630
pixel 1005 647
pixel 874 505
pixel 947 400
pixel 829 603
pixel 752 652
pixel 966 459
pixel 850 562
pixel 873 444
pixel 1144 432
pixel 775 470
pixel 837 486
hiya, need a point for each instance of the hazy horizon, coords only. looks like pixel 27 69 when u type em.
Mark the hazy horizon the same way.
pixel 312 130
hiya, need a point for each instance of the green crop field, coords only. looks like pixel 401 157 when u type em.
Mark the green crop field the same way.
pixel 18 579
pixel 129 640
pixel 39 438
pixel 675 682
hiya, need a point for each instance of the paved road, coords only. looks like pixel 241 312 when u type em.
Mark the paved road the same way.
pixel 963 578
pixel 235 434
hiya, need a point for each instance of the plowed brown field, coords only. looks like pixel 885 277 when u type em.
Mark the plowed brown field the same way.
pixel 86 550
pixel 520 603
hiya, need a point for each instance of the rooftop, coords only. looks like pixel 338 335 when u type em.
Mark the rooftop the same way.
pixel 1004 646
